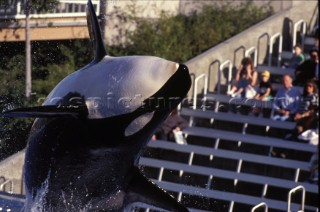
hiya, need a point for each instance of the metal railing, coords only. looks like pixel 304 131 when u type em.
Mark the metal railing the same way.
pixel 303 197
pixel 65 8
pixel 2 186
pixel 271 41
pixel 205 88
pixel 227 62
pixel 295 30
pixel 260 205
pixel 252 50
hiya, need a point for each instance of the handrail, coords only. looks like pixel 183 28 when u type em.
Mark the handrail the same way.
pixel 271 41
pixel 262 204
pixel 19 14
pixel 295 29
pixel 300 187
pixel 194 106
pixel 210 73
pixel 229 75
pixel 255 51
pixel 6 182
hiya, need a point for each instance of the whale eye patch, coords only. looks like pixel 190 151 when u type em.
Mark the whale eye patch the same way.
pixel 138 123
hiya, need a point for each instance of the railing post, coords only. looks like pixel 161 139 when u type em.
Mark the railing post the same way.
pixel 255 58
pixel 229 75
pixel 204 76
pixel 272 38
pixel 295 29
pixel 262 204
pixel 7 182
pixel 19 7
pixel 300 187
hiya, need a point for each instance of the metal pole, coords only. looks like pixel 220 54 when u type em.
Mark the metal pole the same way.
pixel 28 50
pixel 102 16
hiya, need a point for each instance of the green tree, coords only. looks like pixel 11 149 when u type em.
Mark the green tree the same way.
pixel 182 37
pixel 52 61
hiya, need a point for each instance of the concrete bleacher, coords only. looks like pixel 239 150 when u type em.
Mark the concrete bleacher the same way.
pixel 271 178
pixel 197 177
pixel 237 118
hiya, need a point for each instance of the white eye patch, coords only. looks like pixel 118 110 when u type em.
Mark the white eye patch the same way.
pixel 138 123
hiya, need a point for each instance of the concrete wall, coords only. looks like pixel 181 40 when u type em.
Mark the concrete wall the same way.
pixel 256 36
pixel 195 5
pixel 116 25
pixel 11 168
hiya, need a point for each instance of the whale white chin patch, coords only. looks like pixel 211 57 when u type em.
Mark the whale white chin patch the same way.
pixel 138 123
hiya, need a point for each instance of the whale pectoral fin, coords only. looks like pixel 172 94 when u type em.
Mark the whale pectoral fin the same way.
pixel 143 190
pixel 48 111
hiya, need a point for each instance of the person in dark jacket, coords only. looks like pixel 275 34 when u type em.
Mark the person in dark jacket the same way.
pixel 306 116
pixel 308 70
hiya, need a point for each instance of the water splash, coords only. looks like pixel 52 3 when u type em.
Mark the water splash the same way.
pixel 37 204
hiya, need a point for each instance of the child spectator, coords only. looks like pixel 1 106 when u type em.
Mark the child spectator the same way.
pixel 246 78
pixel 264 91
pixel 297 57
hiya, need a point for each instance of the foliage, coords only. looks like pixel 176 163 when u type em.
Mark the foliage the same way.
pixel 182 37
pixel 42 6
pixel 52 61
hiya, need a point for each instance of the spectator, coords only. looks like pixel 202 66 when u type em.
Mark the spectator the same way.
pixel 308 69
pixel 306 117
pixel 264 90
pixel 297 58
pixel 287 99
pixel 246 79
pixel 173 122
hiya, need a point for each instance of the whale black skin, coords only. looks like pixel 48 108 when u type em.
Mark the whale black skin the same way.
pixel 85 144
pixel 91 159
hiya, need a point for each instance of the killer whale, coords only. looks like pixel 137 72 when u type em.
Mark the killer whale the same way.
pixel 85 143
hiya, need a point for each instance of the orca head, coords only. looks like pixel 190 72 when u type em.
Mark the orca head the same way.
pixel 138 89
pixel 135 88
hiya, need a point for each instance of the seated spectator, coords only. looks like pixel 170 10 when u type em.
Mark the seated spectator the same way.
pixel 264 90
pixel 287 99
pixel 306 117
pixel 308 70
pixel 246 79
pixel 297 58
pixel 173 122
